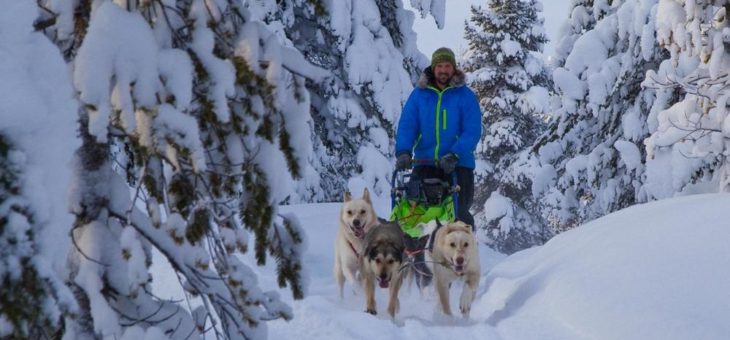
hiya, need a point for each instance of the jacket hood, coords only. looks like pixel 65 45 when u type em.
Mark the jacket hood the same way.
pixel 428 79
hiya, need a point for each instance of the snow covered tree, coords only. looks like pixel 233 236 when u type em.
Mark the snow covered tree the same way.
pixel 687 151
pixel 25 285
pixel 590 162
pixel 507 74
pixel 583 17
pixel 194 127
pixel 368 47
pixel 29 303
pixel 435 8
pixel 37 118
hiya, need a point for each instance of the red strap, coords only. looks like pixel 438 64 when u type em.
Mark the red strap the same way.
pixel 413 252
pixel 353 249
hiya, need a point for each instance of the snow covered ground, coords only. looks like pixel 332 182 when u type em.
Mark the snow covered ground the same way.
pixel 654 271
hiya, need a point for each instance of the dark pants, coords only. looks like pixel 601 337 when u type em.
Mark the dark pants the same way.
pixel 465 180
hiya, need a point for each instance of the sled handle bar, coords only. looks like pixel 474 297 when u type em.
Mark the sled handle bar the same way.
pixel 454 183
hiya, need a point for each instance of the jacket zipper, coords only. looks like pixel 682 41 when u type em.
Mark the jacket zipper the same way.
pixel 444 119
pixel 438 127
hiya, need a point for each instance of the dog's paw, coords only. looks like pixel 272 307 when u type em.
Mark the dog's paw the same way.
pixel 391 312
pixel 371 311
pixel 465 312
pixel 465 308
pixel 393 308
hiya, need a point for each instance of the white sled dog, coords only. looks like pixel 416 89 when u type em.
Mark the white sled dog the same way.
pixel 357 216
pixel 455 257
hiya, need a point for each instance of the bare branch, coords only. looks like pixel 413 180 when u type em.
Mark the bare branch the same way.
pixel 73 240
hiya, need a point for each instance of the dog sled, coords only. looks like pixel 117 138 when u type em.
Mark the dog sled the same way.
pixel 420 197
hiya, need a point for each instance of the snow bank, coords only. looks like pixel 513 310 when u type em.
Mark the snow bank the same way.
pixel 653 271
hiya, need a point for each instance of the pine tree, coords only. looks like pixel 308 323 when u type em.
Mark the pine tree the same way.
pixel 207 105
pixel 689 125
pixel 369 49
pixel 584 15
pixel 590 162
pixel 26 287
pixel 36 138
pixel 512 85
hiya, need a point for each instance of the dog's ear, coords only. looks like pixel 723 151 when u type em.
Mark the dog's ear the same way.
pixel 366 195
pixel 468 228
pixel 371 251
pixel 348 197
pixel 398 252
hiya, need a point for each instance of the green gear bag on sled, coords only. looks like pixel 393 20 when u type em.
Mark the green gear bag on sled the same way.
pixel 409 214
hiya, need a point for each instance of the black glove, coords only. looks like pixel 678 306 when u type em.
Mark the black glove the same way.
pixel 403 161
pixel 448 163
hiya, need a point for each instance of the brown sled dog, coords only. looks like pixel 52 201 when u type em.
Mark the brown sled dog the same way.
pixel 381 262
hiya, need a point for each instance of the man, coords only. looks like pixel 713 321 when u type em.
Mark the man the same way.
pixel 441 125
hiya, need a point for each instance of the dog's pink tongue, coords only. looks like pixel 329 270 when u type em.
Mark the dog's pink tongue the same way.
pixel 383 283
pixel 358 232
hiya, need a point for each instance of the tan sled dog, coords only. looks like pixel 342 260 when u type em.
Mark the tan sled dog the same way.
pixel 357 216
pixel 381 262
pixel 455 257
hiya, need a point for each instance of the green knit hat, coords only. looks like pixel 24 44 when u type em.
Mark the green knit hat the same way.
pixel 441 55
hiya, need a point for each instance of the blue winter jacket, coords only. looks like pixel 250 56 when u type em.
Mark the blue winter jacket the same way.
pixel 434 123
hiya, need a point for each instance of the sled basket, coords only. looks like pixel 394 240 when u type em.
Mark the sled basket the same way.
pixel 410 213
pixel 421 200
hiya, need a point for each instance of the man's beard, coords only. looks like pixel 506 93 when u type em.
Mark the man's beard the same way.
pixel 443 78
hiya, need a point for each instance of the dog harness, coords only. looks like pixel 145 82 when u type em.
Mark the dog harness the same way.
pixel 353 249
